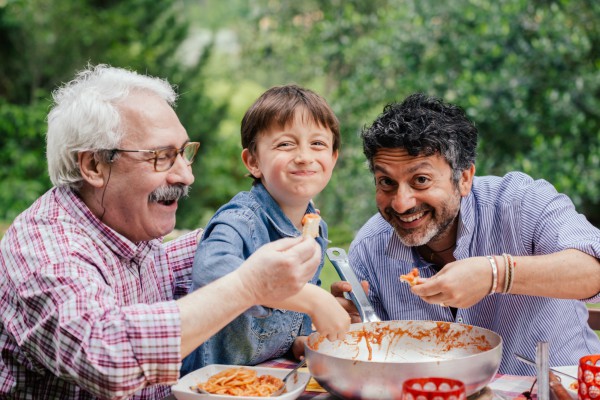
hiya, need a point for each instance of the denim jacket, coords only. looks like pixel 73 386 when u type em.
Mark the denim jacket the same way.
pixel 238 229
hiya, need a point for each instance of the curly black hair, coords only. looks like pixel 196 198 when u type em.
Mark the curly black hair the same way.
pixel 424 125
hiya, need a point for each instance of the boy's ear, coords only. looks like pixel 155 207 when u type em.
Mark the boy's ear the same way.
pixel 92 170
pixel 251 163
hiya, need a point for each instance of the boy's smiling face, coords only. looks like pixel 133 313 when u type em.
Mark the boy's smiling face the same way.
pixel 294 162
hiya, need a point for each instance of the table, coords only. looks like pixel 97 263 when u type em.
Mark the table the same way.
pixel 502 387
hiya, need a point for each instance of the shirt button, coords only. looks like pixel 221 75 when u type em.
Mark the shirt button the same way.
pixel 459 320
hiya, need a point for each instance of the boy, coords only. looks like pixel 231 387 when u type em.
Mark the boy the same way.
pixel 290 139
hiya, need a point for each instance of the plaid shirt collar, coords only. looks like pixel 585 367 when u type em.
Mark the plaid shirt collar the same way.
pixel 119 244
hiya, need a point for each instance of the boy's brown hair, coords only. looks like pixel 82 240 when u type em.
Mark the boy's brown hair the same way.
pixel 278 106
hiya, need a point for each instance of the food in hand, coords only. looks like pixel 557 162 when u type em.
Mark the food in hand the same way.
pixel 310 225
pixel 241 382
pixel 412 278
pixel 559 391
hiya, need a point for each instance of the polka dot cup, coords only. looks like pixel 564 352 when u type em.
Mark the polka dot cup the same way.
pixel 588 378
pixel 433 389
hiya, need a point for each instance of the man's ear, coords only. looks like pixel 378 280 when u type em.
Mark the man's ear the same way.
pixel 466 180
pixel 251 163
pixel 93 171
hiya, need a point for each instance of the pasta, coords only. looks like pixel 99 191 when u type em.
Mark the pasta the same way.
pixel 241 382
pixel 412 278
pixel 310 225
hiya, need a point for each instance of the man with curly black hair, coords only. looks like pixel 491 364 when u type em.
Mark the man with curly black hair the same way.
pixel 509 253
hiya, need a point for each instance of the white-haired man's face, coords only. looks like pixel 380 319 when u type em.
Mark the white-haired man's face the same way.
pixel 137 201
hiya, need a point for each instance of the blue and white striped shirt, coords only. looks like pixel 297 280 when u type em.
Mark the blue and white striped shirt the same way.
pixel 512 214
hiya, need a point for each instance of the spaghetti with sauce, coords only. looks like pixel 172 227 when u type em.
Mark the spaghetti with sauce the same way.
pixel 241 382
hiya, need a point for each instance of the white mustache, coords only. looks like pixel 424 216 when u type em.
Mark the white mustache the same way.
pixel 169 193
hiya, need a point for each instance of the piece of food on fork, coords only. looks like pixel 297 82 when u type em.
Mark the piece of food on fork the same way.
pixel 310 225
pixel 412 278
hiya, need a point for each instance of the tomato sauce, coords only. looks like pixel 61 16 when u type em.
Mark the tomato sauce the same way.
pixel 443 336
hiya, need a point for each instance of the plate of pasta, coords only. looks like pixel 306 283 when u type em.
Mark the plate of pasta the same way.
pixel 238 382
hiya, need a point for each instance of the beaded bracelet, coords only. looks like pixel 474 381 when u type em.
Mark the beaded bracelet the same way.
pixel 511 277
pixel 494 273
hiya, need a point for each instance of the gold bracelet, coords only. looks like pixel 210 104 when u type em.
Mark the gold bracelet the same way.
pixel 506 272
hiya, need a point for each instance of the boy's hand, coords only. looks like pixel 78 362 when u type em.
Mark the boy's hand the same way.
pixel 328 316
pixel 298 347
pixel 338 289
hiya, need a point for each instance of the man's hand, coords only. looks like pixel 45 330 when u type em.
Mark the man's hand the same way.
pixel 280 269
pixel 338 289
pixel 273 273
pixel 459 284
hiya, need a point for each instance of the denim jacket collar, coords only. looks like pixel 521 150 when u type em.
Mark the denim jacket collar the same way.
pixel 276 216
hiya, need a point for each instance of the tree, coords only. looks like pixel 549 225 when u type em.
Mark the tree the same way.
pixel 39 51
pixel 526 73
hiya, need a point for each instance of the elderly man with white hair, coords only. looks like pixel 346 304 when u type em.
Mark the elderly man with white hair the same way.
pixel 92 303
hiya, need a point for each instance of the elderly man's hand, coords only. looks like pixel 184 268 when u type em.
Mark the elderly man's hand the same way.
pixel 338 289
pixel 280 269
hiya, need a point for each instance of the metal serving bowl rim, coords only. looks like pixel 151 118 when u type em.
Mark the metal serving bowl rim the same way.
pixel 494 348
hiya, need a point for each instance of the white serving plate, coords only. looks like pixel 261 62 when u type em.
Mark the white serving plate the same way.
pixel 565 380
pixel 182 390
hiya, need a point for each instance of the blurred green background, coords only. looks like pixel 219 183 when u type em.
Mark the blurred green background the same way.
pixel 526 71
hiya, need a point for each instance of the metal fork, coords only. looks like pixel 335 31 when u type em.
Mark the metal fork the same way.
pixel 292 372
pixel 531 362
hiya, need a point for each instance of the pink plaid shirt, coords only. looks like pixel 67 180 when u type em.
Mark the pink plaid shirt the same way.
pixel 84 312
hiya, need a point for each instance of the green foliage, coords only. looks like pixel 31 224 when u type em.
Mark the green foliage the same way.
pixel 526 72
pixel 40 50
pixel 22 176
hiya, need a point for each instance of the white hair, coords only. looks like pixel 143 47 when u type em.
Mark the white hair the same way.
pixel 85 116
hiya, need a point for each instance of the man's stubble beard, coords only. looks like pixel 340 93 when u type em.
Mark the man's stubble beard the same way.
pixel 434 231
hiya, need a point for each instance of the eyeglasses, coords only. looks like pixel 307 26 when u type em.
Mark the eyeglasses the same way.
pixel 165 158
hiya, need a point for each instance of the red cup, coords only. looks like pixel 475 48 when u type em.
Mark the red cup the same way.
pixel 433 389
pixel 588 378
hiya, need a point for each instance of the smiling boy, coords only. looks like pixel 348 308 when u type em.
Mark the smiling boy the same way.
pixel 290 140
